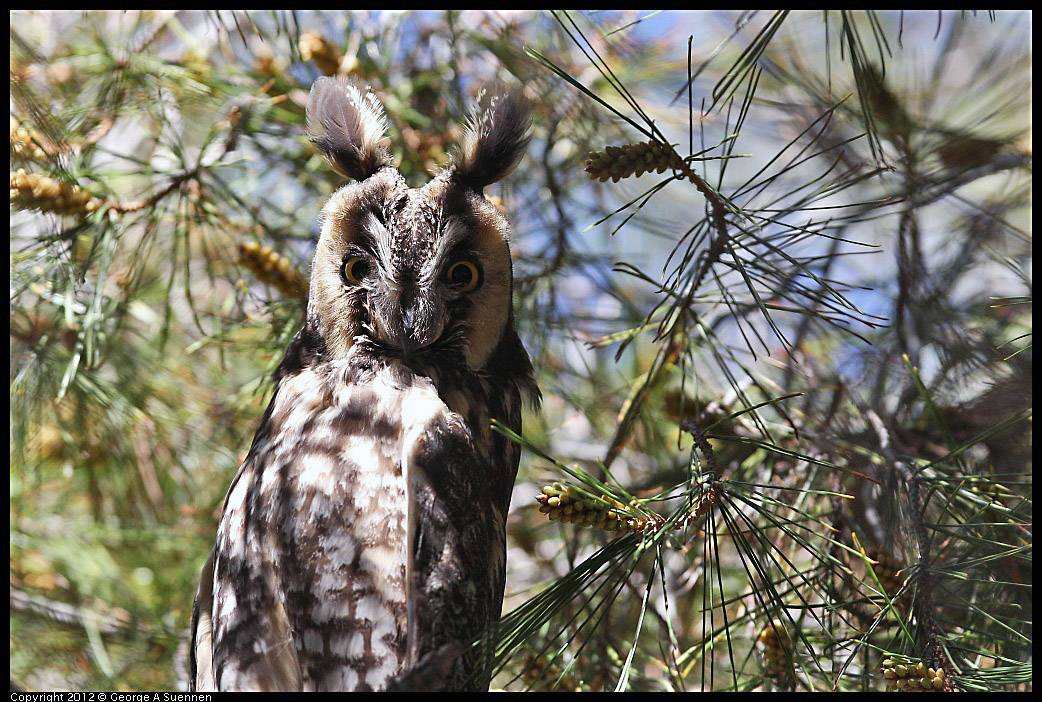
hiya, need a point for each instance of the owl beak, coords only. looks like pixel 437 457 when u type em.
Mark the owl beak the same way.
pixel 419 326
pixel 407 335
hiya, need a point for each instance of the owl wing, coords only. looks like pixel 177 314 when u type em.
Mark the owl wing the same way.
pixel 239 630
pixel 457 551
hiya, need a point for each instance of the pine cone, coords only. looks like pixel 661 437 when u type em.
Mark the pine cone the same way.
pixel 272 268
pixel 566 503
pixel 26 142
pixel 33 191
pixel 313 47
pixel 777 655
pixel 618 162
pixel 914 676
pixel 888 570
pixel 571 506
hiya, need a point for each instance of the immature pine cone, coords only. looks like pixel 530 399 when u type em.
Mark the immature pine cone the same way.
pixel 888 570
pixel 777 654
pixel 26 142
pixel 272 268
pixel 914 677
pixel 564 502
pixel 313 47
pixel 617 162
pixel 33 191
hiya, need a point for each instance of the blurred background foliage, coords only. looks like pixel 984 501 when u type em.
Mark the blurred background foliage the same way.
pixel 784 348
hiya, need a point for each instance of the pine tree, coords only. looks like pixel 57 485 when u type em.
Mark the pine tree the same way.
pixel 774 270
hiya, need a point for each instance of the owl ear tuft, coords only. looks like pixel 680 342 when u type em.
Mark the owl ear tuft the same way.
pixel 347 126
pixel 494 141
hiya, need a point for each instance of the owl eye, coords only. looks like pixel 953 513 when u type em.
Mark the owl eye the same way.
pixel 355 270
pixel 464 275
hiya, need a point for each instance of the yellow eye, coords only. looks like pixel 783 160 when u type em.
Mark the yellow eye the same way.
pixel 464 275
pixel 355 270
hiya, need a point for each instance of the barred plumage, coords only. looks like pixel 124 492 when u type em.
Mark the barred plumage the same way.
pixel 362 542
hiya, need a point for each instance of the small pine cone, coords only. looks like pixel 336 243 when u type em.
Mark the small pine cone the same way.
pixel 313 47
pixel 565 502
pixel 272 268
pixel 914 677
pixel 32 191
pixel 618 162
pixel 26 142
pixel 888 570
pixel 773 644
pixel 890 573
pixel 777 652
pixel 705 503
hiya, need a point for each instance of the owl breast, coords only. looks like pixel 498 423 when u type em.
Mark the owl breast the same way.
pixel 312 550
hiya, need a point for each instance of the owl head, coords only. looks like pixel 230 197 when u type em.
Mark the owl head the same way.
pixel 412 272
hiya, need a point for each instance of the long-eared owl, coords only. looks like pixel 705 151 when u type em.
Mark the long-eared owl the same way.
pixel 362 541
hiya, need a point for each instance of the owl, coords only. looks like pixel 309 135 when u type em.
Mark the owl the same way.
pixel 361 544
